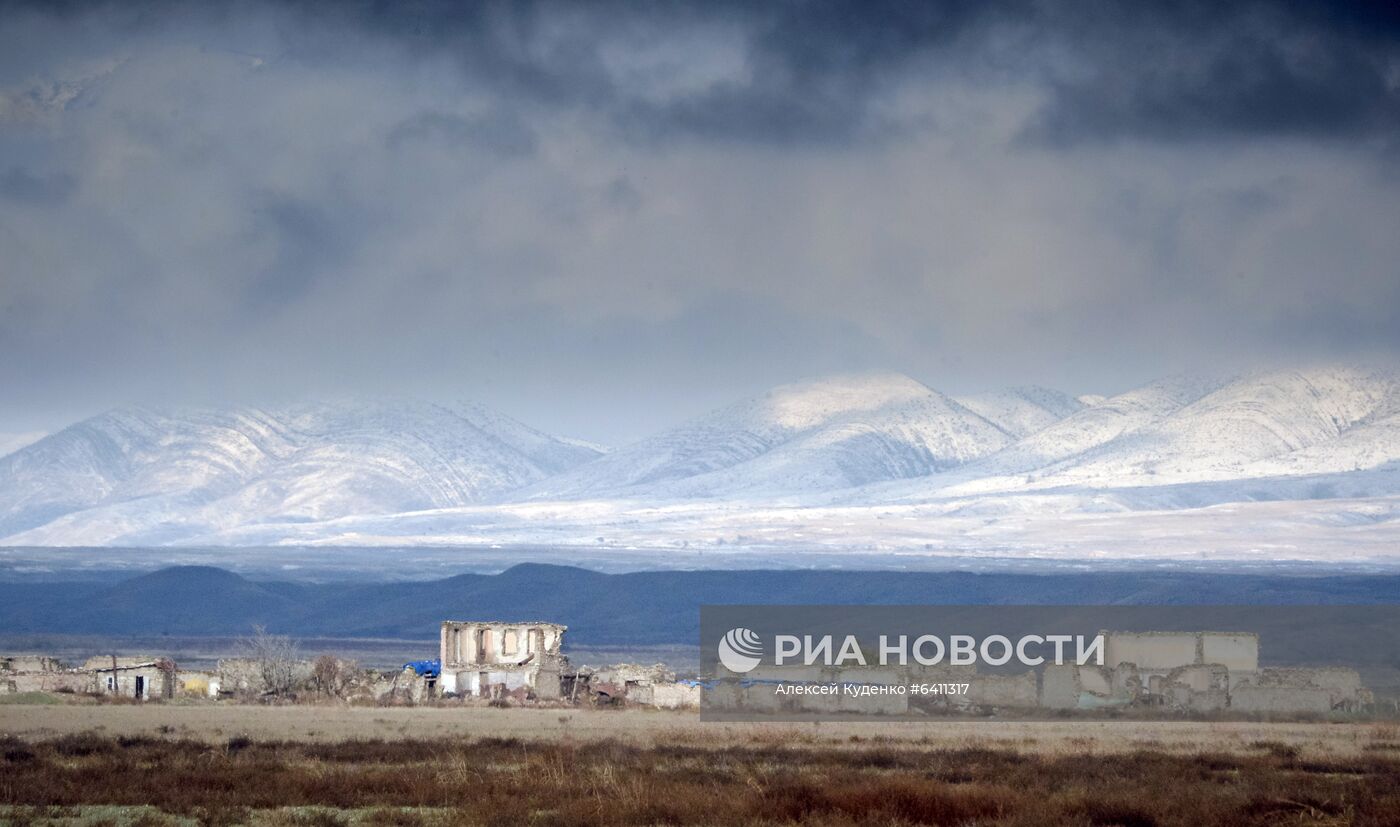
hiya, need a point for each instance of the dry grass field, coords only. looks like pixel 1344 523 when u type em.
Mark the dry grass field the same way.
pixel 168 764
pixel 216 723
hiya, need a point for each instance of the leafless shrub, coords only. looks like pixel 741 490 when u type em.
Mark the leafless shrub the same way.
pixel 331 676
pixel 276 657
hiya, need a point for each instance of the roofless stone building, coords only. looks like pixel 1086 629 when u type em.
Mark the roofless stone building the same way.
pixel 493 659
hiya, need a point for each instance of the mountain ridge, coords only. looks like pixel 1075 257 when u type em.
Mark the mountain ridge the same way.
pixel 306 461
pixel 645 607
pixel 816 460
pixel 816 431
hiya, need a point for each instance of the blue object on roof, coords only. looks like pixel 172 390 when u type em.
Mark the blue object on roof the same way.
pixel 430 668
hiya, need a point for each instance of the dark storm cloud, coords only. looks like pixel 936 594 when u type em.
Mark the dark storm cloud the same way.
pixel 1194 70
pixel 816 69
pixel 816 72
pixel 567 207
pixel 1155 71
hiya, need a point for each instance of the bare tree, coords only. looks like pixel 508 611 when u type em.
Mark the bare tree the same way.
pixel 276 658
pixel 325 674
pixel 331 676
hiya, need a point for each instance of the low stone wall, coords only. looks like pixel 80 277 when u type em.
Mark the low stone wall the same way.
pixel 70 680
pixel 675 696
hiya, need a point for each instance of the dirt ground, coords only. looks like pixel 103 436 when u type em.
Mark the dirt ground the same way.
pixel 216 723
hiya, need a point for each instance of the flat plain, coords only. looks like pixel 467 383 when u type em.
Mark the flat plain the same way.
pixel 207 763
pixel 216 723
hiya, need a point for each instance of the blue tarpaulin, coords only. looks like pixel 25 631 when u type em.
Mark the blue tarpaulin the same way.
pixel 430 668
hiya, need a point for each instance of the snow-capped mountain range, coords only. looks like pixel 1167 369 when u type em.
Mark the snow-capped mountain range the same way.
pixel 812 437
pixel 145 469
pixel 1284 464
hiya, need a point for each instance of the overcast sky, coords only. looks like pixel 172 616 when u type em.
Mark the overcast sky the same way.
pixel 603 218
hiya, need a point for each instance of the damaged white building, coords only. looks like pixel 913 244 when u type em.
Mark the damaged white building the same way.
pixel 495 659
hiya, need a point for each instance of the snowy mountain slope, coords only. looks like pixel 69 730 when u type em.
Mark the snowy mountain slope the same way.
pixel 1033 528
pixel 1369 446
pixel 1085 430
pixel 832 433
pixel 1253 418
pixel 1022 411
pixel 133 453
pixel 9 443
pixel 912 438
pixel 304 462
pixel 368 459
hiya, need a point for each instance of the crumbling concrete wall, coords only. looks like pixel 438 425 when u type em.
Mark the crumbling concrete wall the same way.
pixel 494 658
pixel 940 673
pixel 67 680
pixel 485 643
pixel 676 695
pixel 38 673
pixel 793 673
pixel 245 675
pixel 1192 671
pixel 1196 688
pixel 30 663
pixel 1060 687
pixel 1150 650
pixel 1280 699
pixel 1068 686
pixel 631 681
pixel 1164 651
pixel 407 685
pixel 1186 671
pixel 1301 690
pixel 1236 651
pixel 1095 680
pixel 1014 691
pixel 1222 672
pixel 239 675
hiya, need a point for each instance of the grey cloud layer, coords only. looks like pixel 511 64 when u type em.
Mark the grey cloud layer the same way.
pixel 651 207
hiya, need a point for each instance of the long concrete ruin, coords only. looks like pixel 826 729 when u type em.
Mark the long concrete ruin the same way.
pixel 1200 672
pixel 1181 671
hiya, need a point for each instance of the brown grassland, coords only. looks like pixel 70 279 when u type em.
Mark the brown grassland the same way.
pixel 165 764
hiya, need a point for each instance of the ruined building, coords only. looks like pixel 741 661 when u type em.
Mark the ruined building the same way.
pixel 632 683
pixel 36 673
pixel 133 677
pixel 1201 672
pixel 1173 670
pixel 493 659
pixel 142 678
